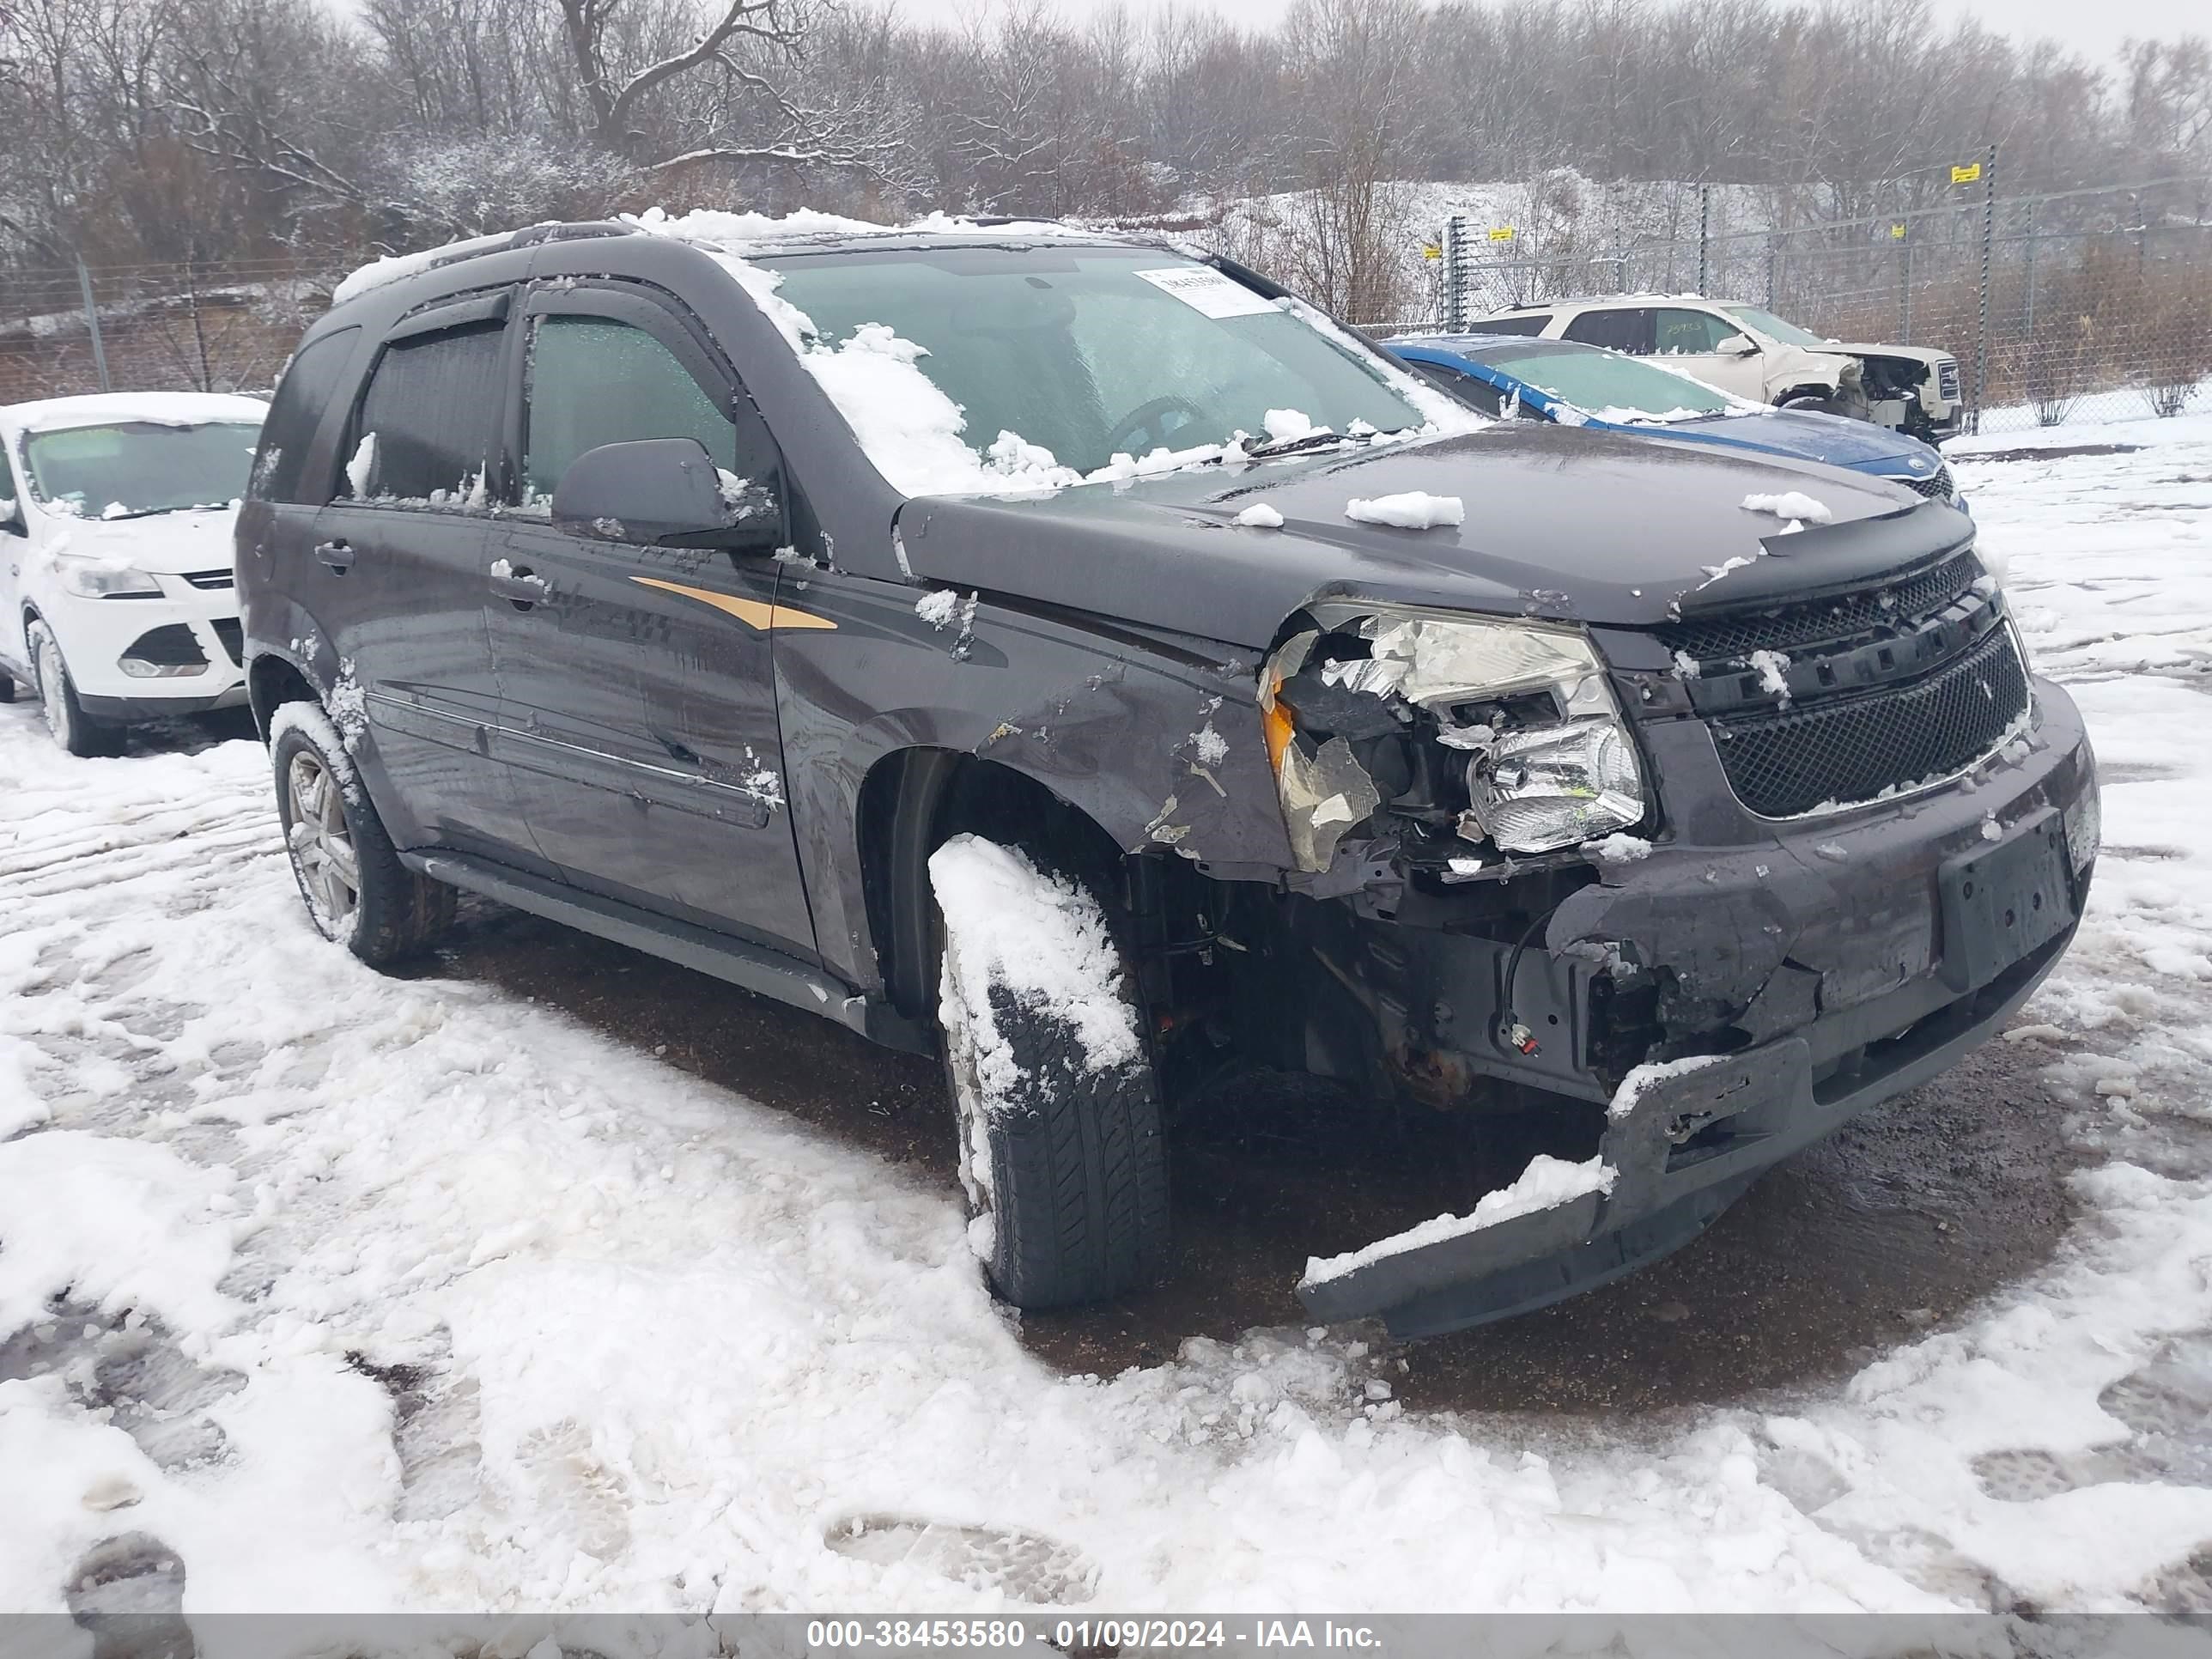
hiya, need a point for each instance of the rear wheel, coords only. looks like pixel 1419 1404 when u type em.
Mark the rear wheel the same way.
pixel 358 893
pixel 1054 1088
pixel 7 687
pixel 75 730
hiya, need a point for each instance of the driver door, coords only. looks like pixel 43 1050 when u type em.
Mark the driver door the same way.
pixel 639 679
pixel 1689 342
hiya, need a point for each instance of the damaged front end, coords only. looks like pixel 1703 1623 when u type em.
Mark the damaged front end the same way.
pixel 1529 879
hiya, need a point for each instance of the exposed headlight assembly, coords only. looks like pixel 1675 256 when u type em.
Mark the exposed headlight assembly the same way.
pixel 103 579
pixel 1520 712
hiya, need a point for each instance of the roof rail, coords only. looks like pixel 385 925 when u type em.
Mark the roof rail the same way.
pixel 582 231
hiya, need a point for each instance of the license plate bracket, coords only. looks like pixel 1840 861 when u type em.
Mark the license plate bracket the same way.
pixel 2001 900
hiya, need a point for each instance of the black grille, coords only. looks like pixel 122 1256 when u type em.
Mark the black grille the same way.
pixel 1946 380
pixel 1936 488
pixel 1736 635
pixel 231 633
pixel 210 579
pixel 1851 749
pixel 168 646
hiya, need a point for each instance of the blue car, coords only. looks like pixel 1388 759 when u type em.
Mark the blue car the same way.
pixel 1588 385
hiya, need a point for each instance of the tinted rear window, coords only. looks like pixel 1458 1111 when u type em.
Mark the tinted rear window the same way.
pixel 431 406
pixel 310 382
pixel 1532 324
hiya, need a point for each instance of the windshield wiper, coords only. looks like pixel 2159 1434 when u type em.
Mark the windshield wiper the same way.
pixel 138 513
pixel 1293 445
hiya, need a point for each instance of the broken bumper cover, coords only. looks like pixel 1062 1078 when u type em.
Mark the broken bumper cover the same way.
pixel 1869 952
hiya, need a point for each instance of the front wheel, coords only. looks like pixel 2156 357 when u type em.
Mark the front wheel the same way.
pixel 1052 1078
pixel 75 730
pixel 358 893
pixel 1814 403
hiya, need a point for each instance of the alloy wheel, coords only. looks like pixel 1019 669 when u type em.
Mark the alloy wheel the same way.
pixel 321 843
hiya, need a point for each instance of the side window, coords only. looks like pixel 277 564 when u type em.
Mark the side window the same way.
pixel 1681 332
pixel 1478 394
pixel 11 498
pixel 1534 323
pixel 596 381
pixel 1626 328
pixel 427 425
pixel 310 381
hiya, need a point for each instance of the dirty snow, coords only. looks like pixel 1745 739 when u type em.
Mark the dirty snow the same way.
pixel 1260 516
pixel 1545 1184
pixel 1413 509
pixel 1793 505
pixel 274 1157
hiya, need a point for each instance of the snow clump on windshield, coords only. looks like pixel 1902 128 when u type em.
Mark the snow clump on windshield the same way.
pixel 1260 516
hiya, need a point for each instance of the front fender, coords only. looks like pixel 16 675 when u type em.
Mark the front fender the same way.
pixel 1156 738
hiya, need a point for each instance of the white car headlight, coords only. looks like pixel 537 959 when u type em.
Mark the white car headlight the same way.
pixel 1549 760
pixel 104 579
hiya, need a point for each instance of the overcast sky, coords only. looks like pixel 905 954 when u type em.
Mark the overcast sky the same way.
pixel 2094 27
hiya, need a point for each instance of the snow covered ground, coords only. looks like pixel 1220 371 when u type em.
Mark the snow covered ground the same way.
pixel 341 1292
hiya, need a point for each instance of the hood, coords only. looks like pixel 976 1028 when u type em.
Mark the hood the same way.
pixel 166 544
pixel 1560 522
pixel 1928 354
pixel 1835 439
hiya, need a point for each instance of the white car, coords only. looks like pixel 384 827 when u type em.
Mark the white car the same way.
pixel 117 601
pixel 1756 355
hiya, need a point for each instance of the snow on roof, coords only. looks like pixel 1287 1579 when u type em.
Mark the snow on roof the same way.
pixel 739 232
pixel 377 272
pixel 104 408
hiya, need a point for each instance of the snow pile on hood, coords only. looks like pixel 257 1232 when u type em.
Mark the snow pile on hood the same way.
pixel 1545 1184
pixel 1042 941
pixel 1414 509
pixel 1260 516
pixel 1792 505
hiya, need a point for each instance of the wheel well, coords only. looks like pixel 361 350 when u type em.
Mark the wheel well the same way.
pixel 911 802
pixel 272 681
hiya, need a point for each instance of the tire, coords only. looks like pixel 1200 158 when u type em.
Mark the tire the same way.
pixel 7 687
pixel 1814 402
pixel 357 892
pixel 1062 1160
pixel 75 730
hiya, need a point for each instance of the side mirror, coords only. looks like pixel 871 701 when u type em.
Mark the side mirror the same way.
pixel 663 490
pixel 1739 345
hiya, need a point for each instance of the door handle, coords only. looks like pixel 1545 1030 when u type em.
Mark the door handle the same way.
pixel 516 585
pixel 338 555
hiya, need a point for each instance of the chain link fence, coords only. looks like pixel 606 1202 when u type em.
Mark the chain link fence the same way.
pixel 2087 305
pixel 174 327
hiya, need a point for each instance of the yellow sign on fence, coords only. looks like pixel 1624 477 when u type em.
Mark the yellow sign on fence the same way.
pixel 1501 232
pixel 1967 174
pixel 1430 251
pixel 1897 232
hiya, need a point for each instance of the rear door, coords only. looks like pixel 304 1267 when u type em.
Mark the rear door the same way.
pixel 1620 328
pixel 639 679
pixel 396 576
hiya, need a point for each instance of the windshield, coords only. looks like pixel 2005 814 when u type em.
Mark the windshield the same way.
pixel 1604 383
pixel 1766 323
pixel 136 467
pixel 1086 353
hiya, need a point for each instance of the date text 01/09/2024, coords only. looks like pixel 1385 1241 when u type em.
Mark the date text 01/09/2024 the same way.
pixel 1088 1635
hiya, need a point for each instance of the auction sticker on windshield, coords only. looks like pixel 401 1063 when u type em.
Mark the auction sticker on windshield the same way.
pixel 1208 291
